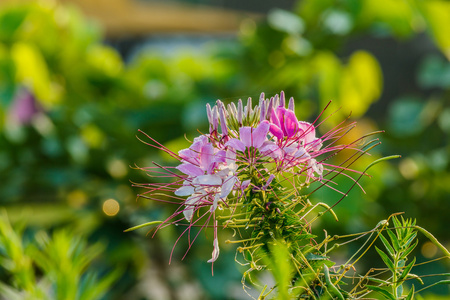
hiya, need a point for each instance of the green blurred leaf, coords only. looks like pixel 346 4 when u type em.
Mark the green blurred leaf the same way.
pixel 285 21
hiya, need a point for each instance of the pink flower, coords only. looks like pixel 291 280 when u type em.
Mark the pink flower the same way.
pixel 250 137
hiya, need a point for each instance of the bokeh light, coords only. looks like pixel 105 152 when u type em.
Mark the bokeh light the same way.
pixel 111 207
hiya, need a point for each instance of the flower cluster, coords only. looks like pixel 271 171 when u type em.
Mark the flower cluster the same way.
pixel 245 162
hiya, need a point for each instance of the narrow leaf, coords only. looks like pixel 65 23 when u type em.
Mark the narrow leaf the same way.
pixel 410 239
pixel 398 227
pixel 408 251
pixel 394 240
pixel 410 294
pixel 380 290
pixel 386 259
pixel 388 247
pixel 406 270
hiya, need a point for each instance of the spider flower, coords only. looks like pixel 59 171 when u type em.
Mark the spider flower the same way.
pixel 247 151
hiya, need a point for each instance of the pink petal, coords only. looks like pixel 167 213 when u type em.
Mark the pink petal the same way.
pixel 206 156
pixel 274 118
pixel 302 154
pixel 316 144
pixel 189 156
pixel 190 169
pixel 245 184
pixel 271 149
pixel 290 123
pixel 245 134
pixel 281 111
pixel 259 135
pixel 220 156
pixel 236 144
pixel 309 133
pixel 198 143
pixel 276 131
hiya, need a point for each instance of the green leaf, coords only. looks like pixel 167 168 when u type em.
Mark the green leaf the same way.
pixel 388 247
pixel 407 270
pixel 382 291
pixel 410 294
pixel 409 250
pixel 394 240
pixel 410 238
pixel 386 259
pixel 398 227
pixel 400 290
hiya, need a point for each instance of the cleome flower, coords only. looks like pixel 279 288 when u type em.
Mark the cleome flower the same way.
pixel 240 163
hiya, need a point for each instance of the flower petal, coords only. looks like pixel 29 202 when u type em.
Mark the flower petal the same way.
pixel 189 156
pixel 274 118
pixel 189 210
pixel 216 250
pixel 198 143
pixel 208 180
pixel 245 184
pixel 185 190
pixel 206 156
pixel 259 135
pixel 276 131
pixel 271 149
pixel 309 132
pixel 190 169
pixel 227 186
pixel 290 123
pixel 236 144
pixel 245 134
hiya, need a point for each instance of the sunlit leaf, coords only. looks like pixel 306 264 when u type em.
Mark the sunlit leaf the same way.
pixel 361 83
pixel 32 71
pixel 437 15
pixel 386 259
pixel 382 291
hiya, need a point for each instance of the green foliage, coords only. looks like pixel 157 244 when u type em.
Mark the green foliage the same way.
pixel 57 267
pixel 74 152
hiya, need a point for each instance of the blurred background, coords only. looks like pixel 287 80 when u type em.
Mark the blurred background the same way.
pixel 78 78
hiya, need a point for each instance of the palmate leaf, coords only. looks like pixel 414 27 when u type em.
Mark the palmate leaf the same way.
pixel 386 259
pixel 382 291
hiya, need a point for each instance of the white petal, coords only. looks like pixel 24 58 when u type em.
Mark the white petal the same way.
pixel 215 203
pixel 208 180
pixel 216 250
pixel 185 190
pixel 227 186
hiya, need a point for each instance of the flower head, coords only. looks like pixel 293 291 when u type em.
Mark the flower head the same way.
pixel 241 163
